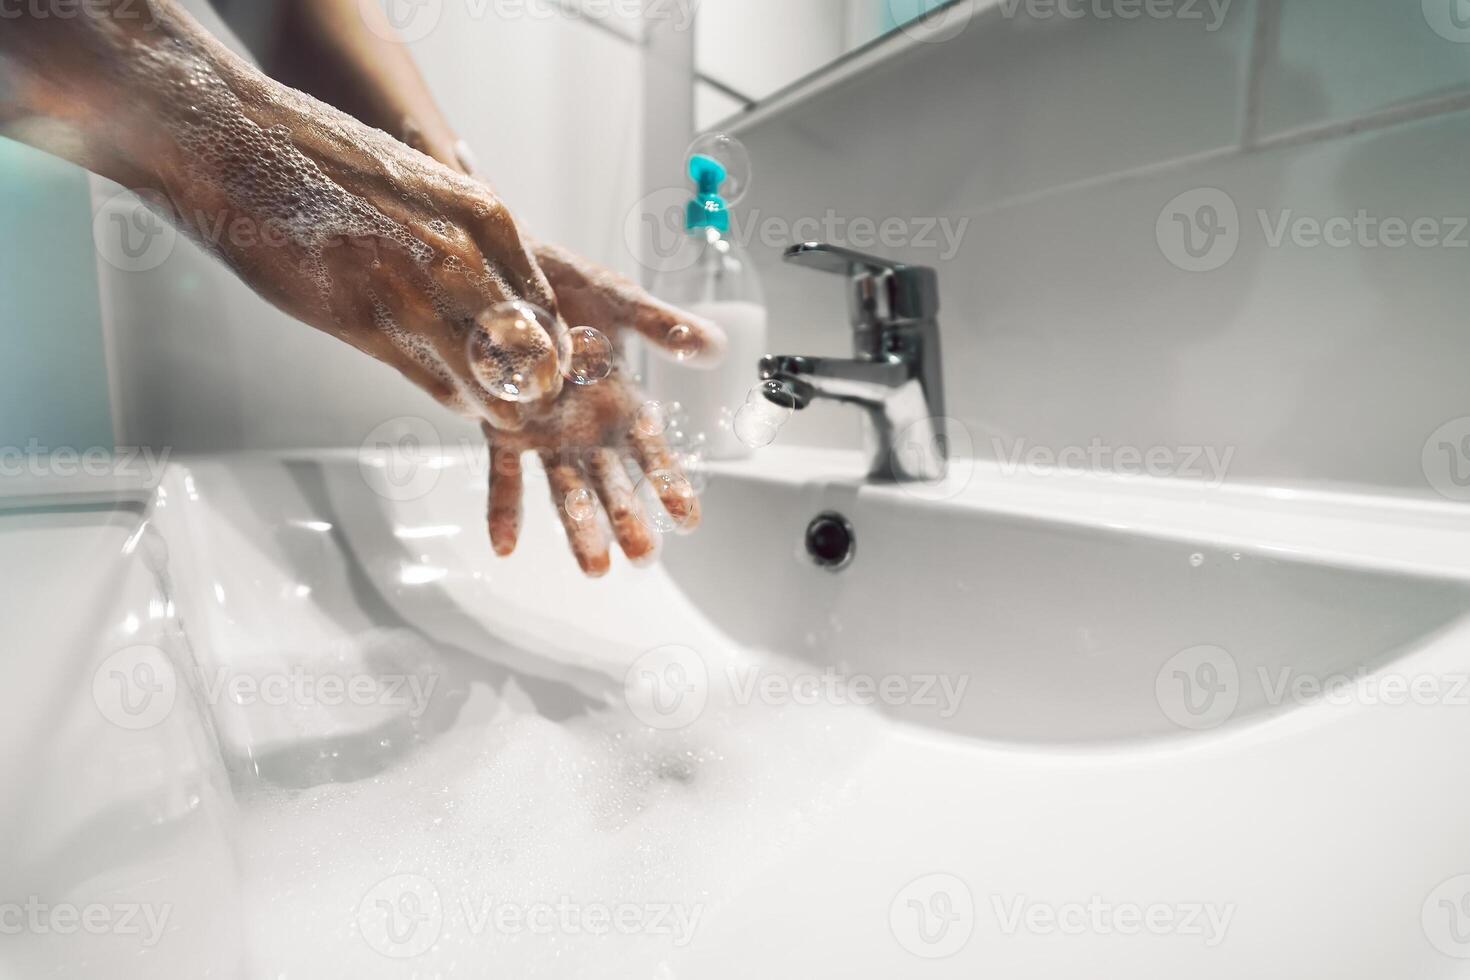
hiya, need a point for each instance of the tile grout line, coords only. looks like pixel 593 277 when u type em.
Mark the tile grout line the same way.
pixel 1394 115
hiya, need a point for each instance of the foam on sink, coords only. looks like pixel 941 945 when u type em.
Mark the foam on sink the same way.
pixel 596 813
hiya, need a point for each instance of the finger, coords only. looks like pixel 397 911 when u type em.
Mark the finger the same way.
pixel 615 491
pixel 589 294
pixel 683 337
pixel 509 262
pixel 509 256
pixel 506 485
pixel 667 479
pixel 588 543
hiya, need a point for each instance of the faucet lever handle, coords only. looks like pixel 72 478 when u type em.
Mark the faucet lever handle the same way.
pixel 883 290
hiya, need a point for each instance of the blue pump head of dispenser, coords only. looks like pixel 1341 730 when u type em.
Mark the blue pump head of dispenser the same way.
pixel 708 209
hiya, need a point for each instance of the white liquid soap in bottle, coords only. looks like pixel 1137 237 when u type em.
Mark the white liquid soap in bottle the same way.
pixel 712 277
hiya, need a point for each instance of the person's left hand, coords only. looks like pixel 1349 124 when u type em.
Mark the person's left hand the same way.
pixel 584 437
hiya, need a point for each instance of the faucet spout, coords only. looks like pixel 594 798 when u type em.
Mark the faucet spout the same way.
pixel 894 375
pixel 805 379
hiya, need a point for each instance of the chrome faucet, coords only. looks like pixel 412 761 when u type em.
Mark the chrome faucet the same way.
pixel 895 372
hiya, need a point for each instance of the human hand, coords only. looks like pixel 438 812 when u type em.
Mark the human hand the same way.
pixel 403 257
pixel 583 441
pixel 356 234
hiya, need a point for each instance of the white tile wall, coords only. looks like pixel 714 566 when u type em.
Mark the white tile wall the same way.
pixel 758 46
pixel 1064 320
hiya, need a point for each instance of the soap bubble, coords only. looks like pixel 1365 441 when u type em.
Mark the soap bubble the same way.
pixel 754 430
pixel 586 355
pixel 695 469
pixel 683 342
pixel 581 505
pixel 648 499
pixel 733 156
pixel 766 410
pixel 1196 560
pixel 652 419
pixel 507 348
pixel 681 440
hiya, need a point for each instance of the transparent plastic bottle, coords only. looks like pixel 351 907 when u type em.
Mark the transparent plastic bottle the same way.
pixel 713 278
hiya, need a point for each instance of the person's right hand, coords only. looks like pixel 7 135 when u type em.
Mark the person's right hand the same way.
pixel 358 235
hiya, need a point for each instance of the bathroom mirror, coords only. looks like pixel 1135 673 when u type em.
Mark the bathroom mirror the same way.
pixel 747 52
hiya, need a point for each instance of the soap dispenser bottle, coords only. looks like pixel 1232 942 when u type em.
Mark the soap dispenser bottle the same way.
pixel 712 278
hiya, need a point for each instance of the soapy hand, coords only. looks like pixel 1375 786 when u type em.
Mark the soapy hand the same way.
pixel 408 259
pixel 353 232
pixel 583 441
pixel 356 234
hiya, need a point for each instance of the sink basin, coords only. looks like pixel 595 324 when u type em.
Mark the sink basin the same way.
pixel 291 711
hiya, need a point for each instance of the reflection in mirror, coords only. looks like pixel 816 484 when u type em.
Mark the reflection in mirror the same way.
pixel 747 50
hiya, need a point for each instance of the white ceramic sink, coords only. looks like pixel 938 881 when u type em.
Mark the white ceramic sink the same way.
pixel 292 709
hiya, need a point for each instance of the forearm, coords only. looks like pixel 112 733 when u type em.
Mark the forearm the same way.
pixel 68 85
pixel 327 49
